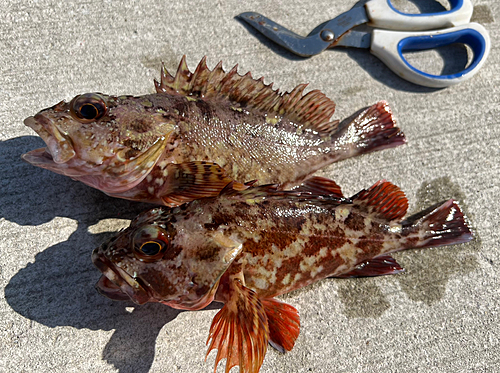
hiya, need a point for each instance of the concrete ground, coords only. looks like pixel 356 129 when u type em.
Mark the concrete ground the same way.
pixel 441 315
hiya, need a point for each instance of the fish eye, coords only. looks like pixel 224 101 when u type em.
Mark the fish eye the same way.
pixel 150 242
pixel 88 107
pixel 150 248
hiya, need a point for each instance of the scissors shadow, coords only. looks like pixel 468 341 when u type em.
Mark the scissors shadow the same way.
pixel 448 59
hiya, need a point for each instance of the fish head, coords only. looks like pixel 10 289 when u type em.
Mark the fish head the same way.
pixel 110 143
pixel 157 259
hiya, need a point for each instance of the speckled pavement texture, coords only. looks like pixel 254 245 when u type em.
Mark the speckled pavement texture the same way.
pixel 441 315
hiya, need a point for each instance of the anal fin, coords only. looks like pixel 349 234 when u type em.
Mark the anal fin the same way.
pixel 378 266
pixel 239 331
pixel 284 324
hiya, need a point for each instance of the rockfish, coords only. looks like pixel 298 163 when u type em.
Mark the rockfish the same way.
pixel 243 248
pixel 200 132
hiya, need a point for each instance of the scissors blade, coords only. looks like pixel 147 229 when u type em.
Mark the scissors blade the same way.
pixel 355 38
pixel 316 42
pixel 303 46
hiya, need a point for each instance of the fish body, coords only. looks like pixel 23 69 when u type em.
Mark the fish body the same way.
pixel 198 133
pixel 243 248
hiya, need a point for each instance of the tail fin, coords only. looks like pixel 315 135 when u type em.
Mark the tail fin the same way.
pixel 372 129
pixel 440 225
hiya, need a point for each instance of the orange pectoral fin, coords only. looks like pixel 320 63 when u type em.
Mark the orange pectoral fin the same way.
pixel 284 324
pixel 193 180
pixel 239 331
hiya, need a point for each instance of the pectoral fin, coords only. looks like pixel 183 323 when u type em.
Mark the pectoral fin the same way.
pixel 239 330
pixel 194 180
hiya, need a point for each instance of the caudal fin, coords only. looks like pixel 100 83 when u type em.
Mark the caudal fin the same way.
pixel 441 225
pixel 372 129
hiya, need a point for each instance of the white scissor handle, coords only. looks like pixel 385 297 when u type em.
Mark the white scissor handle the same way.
pixel 382 14
pixel 390 45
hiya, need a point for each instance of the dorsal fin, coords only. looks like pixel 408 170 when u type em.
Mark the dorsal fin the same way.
pixel 320 186
pixel 384 199
pixel 310 111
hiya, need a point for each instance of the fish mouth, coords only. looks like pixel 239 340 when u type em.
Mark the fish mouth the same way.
pixel 42 158
pixel 110 174
pixel 39 157
pixel 117 284
pixel 59 145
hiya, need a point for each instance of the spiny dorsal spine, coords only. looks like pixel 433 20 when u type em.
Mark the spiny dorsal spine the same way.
pixel 312 110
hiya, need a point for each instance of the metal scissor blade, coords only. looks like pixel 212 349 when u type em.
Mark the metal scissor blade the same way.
pixel 314 43
pixel 357 39
pixel 303 46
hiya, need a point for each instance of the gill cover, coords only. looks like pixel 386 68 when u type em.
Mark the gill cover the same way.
pixel 205 266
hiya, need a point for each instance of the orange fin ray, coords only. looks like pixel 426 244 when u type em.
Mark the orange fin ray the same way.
pixel 284 324
pixel 320 186
pixel 239 331
pixel 193 180
pixel 384 199
pixel 310 111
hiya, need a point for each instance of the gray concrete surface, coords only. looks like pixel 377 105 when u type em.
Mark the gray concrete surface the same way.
pixel 440 316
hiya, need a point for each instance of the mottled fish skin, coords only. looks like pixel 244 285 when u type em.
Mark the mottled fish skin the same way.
pixel 198 133
pixel 244 248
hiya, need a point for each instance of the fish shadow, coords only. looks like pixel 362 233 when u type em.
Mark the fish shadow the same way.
pixel 33 196
pixel 57 289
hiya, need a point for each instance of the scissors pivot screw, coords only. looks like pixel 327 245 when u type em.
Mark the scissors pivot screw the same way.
pixel 327 35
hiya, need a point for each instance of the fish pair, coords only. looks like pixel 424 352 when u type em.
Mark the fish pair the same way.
pixel 211 134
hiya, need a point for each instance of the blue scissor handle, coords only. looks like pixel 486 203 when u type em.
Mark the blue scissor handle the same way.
pixel 382 14
pixel 390 45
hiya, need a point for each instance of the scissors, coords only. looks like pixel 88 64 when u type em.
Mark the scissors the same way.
pixel 393 33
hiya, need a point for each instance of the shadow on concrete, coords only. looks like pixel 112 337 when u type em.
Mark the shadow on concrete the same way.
pixel 58 288
pixel 427 271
